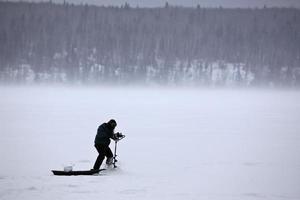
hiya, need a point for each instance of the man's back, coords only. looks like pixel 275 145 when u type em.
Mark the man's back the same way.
pixel 104 133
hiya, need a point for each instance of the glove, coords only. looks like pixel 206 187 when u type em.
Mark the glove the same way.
pixel 118 135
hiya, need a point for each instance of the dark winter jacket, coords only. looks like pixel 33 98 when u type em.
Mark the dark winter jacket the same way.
pixel 104 133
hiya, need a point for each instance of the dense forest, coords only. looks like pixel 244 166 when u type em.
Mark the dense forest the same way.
pixel 84 44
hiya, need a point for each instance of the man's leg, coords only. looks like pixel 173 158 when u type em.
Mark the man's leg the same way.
pixel 102 152
pixel 109 156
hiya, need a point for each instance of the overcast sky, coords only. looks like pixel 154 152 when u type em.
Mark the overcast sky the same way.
pixel 189 3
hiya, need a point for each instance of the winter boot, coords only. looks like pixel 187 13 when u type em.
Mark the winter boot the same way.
pixel 109 161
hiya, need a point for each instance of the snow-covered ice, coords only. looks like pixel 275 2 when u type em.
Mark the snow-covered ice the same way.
pixel 180 144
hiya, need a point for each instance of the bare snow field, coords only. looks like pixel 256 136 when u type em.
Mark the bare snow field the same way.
pixel 180 144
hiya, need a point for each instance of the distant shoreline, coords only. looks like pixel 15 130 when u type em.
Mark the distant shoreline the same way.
pixel 177 3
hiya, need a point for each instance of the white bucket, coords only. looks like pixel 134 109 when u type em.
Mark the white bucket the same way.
pixel 68 168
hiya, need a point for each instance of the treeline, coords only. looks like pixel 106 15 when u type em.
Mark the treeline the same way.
pixel 171 45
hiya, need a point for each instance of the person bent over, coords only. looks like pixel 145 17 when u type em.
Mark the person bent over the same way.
pixel 105 132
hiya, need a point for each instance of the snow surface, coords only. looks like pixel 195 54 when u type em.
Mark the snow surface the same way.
pixel 180 144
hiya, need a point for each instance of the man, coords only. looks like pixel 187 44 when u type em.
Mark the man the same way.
pixel 105 132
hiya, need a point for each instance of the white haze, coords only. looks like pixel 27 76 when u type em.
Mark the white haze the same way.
pixel 180 144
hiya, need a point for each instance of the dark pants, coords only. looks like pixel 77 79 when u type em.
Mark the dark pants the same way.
pixel 103 151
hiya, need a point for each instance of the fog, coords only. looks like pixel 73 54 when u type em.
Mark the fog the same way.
pixel 181 143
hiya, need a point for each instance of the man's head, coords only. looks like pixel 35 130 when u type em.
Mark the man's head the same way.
pixel 112 123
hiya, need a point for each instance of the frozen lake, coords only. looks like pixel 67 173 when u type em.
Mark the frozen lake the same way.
pixel 180 144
